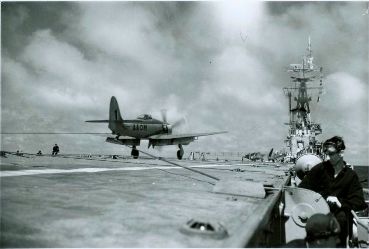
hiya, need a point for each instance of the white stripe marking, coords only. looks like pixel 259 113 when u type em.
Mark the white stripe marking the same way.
pixel 94 170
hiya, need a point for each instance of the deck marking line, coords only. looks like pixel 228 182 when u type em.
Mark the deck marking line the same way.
pixel 93 170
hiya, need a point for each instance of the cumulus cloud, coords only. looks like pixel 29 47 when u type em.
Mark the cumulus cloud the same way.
pixel 221 65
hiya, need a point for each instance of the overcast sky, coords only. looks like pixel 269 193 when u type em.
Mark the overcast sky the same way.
pixel 221 65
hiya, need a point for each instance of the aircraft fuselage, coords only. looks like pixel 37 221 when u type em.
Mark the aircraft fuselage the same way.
pixel 141 128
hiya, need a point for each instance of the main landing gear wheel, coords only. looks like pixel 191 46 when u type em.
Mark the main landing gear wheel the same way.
pixel 180 152
pixel 135 153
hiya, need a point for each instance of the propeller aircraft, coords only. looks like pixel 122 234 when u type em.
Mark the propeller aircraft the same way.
pixel 255 156
pixel 144 127
pixel 276 156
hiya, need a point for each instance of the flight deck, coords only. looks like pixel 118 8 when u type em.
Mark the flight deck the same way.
pixel 71 201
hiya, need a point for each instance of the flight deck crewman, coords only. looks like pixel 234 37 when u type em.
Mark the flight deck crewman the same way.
pixel 55 150
pixel 338 184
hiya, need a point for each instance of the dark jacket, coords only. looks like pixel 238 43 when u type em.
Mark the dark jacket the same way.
pixel 346 186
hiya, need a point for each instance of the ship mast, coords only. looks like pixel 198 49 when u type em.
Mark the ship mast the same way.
pixel 302 134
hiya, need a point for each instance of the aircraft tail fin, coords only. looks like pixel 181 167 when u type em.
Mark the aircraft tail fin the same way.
pixel 114 114
pixel 270 153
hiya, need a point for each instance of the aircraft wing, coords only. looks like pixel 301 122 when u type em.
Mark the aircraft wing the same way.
pixel 179 136
pixel 100 134
pixel 125 137
pixel 57 133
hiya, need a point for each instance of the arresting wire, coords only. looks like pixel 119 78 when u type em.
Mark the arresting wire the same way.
pixel 185 176
pixel 176 164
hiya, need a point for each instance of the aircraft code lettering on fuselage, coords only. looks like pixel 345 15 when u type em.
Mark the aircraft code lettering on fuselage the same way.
pixel 139 127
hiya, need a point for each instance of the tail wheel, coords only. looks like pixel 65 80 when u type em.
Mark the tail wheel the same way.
pixel 135 153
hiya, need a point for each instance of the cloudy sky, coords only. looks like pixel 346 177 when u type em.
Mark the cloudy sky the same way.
pixel 221 65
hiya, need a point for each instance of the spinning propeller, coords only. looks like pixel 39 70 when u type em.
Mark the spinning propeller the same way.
pixel 166 125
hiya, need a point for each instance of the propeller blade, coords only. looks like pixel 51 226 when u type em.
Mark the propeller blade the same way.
pixel 164 115
pixel 179 122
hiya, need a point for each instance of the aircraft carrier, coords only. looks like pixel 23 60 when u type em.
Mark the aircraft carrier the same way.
pixel 105 201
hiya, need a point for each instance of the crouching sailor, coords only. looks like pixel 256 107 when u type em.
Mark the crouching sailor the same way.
pixel 338 184
pixel 321 232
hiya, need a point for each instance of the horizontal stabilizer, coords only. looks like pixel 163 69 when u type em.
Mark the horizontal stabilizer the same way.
pixel 56 133
pixel 97 121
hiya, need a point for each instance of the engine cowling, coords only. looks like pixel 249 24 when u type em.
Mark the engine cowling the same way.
pixel 167 128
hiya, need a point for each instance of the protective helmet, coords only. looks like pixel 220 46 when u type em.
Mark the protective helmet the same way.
pixel 305 163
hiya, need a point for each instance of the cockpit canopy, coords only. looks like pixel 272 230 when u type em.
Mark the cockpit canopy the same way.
pixel 144 116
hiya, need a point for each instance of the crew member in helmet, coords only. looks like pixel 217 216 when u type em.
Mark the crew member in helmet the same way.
pixel 322 231
pixel 338 184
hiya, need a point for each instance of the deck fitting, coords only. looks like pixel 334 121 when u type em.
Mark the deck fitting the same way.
pixel 204 228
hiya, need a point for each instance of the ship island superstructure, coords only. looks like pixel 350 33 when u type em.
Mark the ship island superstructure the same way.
pixel 301 138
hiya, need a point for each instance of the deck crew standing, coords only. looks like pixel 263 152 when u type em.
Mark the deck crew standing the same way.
pixel 338 184
pixel 55 150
